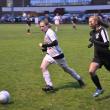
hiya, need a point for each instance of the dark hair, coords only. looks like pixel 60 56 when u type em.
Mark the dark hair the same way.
pixel 102 23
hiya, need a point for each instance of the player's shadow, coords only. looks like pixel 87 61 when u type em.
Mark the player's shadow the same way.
pixel 36 32
pixel 68 86
pixel 102 98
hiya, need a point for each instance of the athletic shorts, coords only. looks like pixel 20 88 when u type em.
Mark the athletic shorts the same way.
pixel 61 62
pixel 49 59
pixel 57 22
pixel 98 60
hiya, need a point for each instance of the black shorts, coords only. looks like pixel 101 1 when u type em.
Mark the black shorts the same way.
pixel 98 60
pixel 29 24
pixel 102 57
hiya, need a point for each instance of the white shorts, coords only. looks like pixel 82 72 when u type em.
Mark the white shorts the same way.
pixel 49 59
pixel 61 62
pixel 57 22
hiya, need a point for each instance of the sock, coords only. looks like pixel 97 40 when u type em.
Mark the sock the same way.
pixel 28 30
pixel 96 81
pixel 56 29
pixel 47 78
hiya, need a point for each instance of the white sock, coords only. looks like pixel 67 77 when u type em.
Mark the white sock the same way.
pixel 56 29
pixel 47 78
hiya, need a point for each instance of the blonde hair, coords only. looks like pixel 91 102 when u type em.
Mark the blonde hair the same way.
pixel 45 21
pixel 99 21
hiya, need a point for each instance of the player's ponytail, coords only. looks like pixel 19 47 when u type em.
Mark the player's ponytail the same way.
pixel 104 24
pixel 101 22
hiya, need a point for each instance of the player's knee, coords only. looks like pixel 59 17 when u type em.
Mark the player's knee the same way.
pixel 42 68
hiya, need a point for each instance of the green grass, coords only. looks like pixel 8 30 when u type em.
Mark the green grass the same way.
pixel 20 60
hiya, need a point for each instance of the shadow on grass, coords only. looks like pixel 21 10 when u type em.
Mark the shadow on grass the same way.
pixel 103 98
pixel 36 32
pixel 68 85
pixel 6 104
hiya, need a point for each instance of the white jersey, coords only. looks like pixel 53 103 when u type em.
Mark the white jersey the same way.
pixel 57 19
pixel 36 20
pixel 50 36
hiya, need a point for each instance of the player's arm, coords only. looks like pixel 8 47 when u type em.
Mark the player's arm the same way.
pixel 92 36
pixel 102 44
pixel 54 43
pixel 42 48
pixel 91 39
pixel 105 42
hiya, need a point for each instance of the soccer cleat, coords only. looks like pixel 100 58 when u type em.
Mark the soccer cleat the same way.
pixel 48 88
pixel 98 92
pixel 81 83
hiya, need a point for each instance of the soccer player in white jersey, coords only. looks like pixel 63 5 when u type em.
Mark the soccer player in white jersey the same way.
pixel 57 19
pixel 53 55
pixel 36 21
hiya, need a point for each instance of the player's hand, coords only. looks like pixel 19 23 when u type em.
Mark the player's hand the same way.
pixel 90 45
pixel 91 40
pixel 42 48
pixel 40 45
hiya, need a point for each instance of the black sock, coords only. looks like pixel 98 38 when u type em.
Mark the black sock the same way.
pixel 96 81
pixel 28 30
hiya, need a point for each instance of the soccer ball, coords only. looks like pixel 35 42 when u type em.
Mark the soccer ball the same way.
pixel 4 97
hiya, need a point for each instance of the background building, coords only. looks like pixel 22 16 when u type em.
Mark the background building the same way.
pixel 15 3
pixel 39 6
pixel 100 2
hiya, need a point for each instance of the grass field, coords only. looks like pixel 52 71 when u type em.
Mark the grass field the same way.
pixel 20 60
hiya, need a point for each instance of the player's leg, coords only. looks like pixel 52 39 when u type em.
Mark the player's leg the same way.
pixel 92 71
pixel 46 75
pixel 28 28
pixel 72 72
pixel 55 26
pixel 74 25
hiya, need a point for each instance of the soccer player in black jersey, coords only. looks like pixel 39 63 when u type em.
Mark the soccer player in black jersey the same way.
pixel 28 21
pixel 100 40
pixel 74 21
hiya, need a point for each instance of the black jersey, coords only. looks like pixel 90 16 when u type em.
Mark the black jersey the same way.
pixel 74 20
pixel 100 40
pixel 28 21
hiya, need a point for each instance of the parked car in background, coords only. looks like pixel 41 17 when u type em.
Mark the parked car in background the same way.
pixel 66 18
pixel 41 18
pixel 83 18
